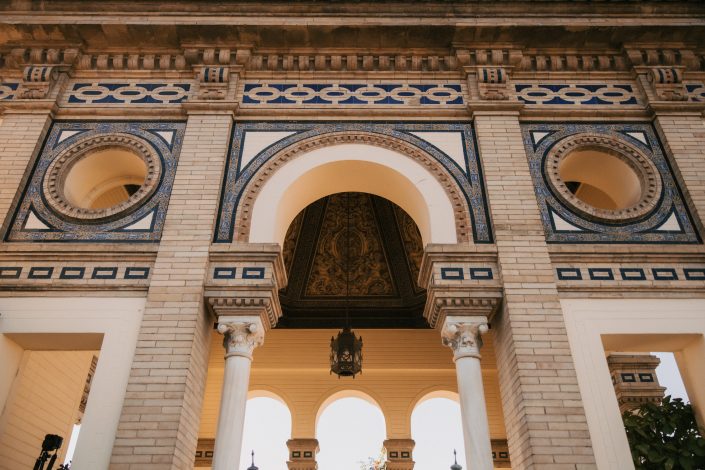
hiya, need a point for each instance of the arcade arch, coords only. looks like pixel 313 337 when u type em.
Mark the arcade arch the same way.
pixel 346 162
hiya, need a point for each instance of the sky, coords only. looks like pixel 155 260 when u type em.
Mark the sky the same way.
pixel 351 430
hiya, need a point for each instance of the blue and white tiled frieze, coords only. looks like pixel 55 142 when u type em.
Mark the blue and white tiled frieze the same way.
pixel 94 273
pixel 126 92
pixel 583 94
pixel 351 94
pixel 669 222
pixel 652 274
pixel 34 220
pixel 460 160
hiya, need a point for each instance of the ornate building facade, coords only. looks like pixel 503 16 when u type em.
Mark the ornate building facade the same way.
pixel 518 181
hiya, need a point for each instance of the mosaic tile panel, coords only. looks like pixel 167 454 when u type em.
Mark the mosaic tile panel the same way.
pixel 658 274
pixel 128 93
pixel 590 94
pixel 8 90
pixel 696 92
pixel 467 173
pixel 353 94
pixel 33 220
pixel 669 222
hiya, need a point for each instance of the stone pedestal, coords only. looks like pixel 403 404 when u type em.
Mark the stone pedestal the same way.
pixel 302 454
pixel 400 454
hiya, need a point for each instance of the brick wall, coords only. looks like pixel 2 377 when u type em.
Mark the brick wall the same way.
pixel 543 411
pixel 159 424
pixel 21 135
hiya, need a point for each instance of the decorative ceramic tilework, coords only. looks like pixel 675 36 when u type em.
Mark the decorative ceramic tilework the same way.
pixel 669 222
pixel 345 94
pixel 696 91
pixel 34 220
pixel 605 94
pixel 128 93
pixel 465 273
pixel 72 273
pixel 631 273
pixel 232 272
pixel 468 175
pixel 8 90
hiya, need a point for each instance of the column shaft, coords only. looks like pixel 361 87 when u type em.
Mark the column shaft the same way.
pixel 476 431
pixel 231 418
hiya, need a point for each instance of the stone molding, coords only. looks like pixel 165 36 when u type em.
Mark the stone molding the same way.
pixel 244 210
pixel 59 168
pixel 253 288
pixel 641 164
pixel 241 335
pixel 463 334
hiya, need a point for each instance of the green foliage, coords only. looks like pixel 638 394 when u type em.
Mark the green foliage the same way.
pixel 665 436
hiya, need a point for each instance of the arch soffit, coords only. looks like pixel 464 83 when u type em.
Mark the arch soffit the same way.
pixel 273 393
pixel 341 392
pixel 438 391
pixel 453 194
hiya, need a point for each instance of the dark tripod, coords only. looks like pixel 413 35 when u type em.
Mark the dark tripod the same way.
pixel 51 443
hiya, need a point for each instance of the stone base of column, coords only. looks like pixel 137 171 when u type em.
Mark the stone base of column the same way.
pixel 302 454
pixel 399 454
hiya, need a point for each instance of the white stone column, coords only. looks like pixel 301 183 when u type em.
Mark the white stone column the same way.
pixel 463 335
pixel 242 336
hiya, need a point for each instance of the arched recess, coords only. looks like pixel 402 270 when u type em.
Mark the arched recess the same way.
pixel 341 393
pixel 355 162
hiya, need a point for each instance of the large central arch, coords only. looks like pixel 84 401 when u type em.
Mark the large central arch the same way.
pixel 357 161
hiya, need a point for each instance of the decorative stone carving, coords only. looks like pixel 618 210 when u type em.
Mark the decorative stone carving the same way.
pixel 302 454
pixel 492 83
pixel 37 81
pixel 204 453
pixel 464 337
pixel 241 337
pixel 213 83
pixel 668 83
pixel 399 454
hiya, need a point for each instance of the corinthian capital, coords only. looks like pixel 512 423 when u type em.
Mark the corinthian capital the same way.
pixel 464 335
pixel 241 337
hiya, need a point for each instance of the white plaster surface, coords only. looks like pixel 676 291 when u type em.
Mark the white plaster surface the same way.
pixel 450 143
pixel 631 325
pixel 118 320
pixel 256 141
pixel 33 222
pixel 562 224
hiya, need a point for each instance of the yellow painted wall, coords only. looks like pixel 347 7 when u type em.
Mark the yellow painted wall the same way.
pixel 44 399
pixel 399 368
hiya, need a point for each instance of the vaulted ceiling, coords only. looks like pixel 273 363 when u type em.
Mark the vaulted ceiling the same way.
pixel 385 254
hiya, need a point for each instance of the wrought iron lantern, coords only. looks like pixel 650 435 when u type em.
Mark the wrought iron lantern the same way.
pixel 346 354
pixel 346 349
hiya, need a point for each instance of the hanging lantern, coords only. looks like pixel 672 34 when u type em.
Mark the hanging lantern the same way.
pixel 346 354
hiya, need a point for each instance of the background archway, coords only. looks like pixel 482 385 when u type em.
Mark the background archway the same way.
pixel 267 428
pixel 350 428
pixel 436 428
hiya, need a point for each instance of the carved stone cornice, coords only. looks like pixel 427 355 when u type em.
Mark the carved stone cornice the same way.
pixel 400 454
pixel 302 454
pixel 463 335
pixel 241 336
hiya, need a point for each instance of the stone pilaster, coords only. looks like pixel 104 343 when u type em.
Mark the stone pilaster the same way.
pixel 302 454
pixel 543 410
pixel 160 418
pixel 400 454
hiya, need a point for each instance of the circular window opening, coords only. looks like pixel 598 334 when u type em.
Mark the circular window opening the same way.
pixel 603 178
pixel 102 176
pixel 104 179
pixel 600 179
